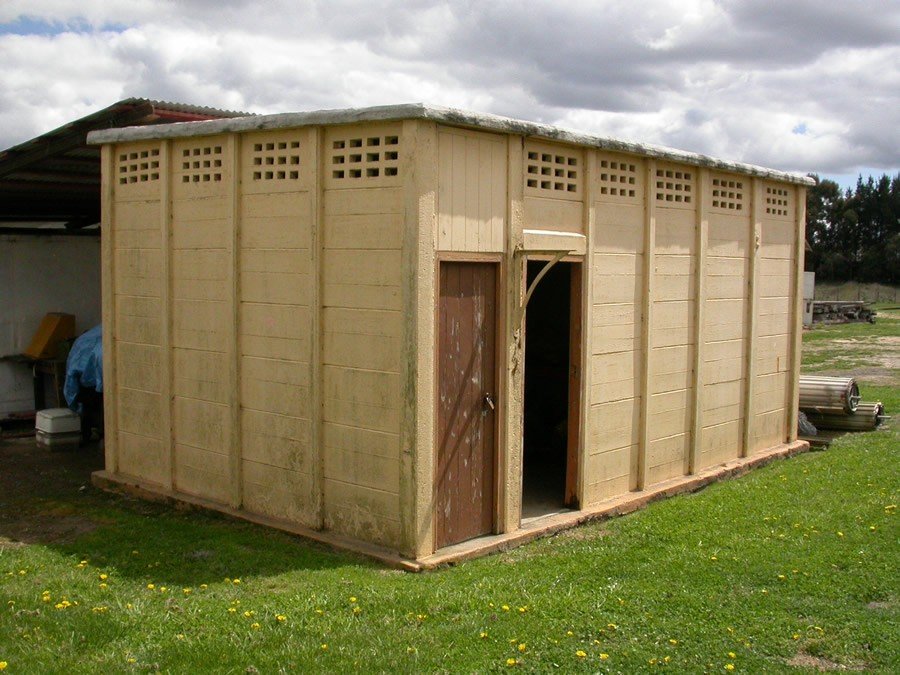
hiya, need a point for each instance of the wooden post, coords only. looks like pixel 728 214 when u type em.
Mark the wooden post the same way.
pixel 317 159
pixel 417 390
pixel 589 180
pixel 509 474
pixel 235 459
pixel 108 301
pixel 167 377
pixel 647 319
pixel 756 210
pixel 797 309
pixel 700 242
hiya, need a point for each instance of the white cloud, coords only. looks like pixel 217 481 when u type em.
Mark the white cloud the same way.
pixel 731 78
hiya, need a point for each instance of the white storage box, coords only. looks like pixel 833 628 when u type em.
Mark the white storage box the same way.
pixel 57 421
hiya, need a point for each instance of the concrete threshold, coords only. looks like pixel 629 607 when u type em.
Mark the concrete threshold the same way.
pixel 530 529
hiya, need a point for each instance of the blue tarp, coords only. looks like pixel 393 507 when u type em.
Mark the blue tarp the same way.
pixel 84 367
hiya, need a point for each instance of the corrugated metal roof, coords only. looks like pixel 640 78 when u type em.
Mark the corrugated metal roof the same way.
pixel 56 176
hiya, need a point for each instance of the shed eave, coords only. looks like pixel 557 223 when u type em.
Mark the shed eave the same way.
pixel 450 116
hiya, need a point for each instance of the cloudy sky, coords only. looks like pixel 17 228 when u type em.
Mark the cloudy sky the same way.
pixel 800 85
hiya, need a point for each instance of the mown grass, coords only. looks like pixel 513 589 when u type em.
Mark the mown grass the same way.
pixel 844 348
pixel 799 557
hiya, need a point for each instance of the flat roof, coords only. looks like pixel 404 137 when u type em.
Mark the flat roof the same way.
pixel 450 116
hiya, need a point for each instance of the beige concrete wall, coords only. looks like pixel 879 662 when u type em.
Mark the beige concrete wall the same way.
pixel 775 323
pixel 725 325
pixel 614 334
pixel 363 227
pixel 279 467
pixel 136 322
pixel 258 290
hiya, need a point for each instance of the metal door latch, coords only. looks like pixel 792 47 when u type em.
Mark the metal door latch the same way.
pixel 489 401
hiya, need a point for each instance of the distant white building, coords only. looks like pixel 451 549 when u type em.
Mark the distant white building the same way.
pixel 809 293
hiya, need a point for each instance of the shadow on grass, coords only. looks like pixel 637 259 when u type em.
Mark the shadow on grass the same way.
pixel 46 499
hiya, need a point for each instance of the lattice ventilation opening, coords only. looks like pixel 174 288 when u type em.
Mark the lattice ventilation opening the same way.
pixel 138 166
pixel 552 172
pixel 728 195
pixel 674 187
pixel 365 157
pixel 777 202
pixel 618 179
pixel 276 160
pixel 201 164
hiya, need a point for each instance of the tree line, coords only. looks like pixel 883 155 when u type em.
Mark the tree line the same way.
pixel 854 235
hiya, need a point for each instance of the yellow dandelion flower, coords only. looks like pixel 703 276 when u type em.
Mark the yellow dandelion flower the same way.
pixel 729 666
pixel 604 656
pixel 611 626
pixel 483 634
pixel 522 647
pixel 232 610
pixel 203 587
pixel 781 576
pixel 324 647
pixel 254 625
pixel 128 605
pixel 712 557
pixel 319 611
pixel 732 655
pixel 511 661
pixel 352 598
pixel 652 661
pixel 421 617
pixel 249 613
pixel 151 586
pixel 358 610
pixel 280 617
pixel 871 528
pixel 410 650
pixel 131 660
pixel 3 665
pixel 180 636
pixel 163 589
pixel 102 586
pixel 569 633
pixel 22 572
pixel 523 609
pixel 104 577
pixel 667 659
pixel 236 582
pixel 187 591
pixel 795 636
pixel 505 608
pixel 673 641
pixel 840 534
pixel 581 653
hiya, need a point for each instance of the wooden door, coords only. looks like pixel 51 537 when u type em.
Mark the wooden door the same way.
pixel 467 395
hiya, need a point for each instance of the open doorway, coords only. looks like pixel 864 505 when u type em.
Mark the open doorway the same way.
pixel 552 390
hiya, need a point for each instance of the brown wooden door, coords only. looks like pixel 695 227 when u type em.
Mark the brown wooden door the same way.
pixel 466 456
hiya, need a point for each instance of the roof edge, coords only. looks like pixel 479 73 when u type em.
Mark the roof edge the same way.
pixel 453 116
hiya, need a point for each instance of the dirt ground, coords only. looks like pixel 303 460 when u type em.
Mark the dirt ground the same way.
pixel 39 490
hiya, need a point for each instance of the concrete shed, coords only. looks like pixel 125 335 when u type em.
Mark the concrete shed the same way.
pixel 404 328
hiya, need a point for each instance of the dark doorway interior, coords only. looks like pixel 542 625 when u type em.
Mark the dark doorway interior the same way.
pixel 548 322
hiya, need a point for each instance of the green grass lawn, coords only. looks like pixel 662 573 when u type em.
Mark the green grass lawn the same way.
pixel 793 565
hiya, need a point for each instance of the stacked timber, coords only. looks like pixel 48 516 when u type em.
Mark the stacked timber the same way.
pixel 834 403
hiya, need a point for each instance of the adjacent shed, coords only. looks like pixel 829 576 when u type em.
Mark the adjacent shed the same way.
pixel 413 326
